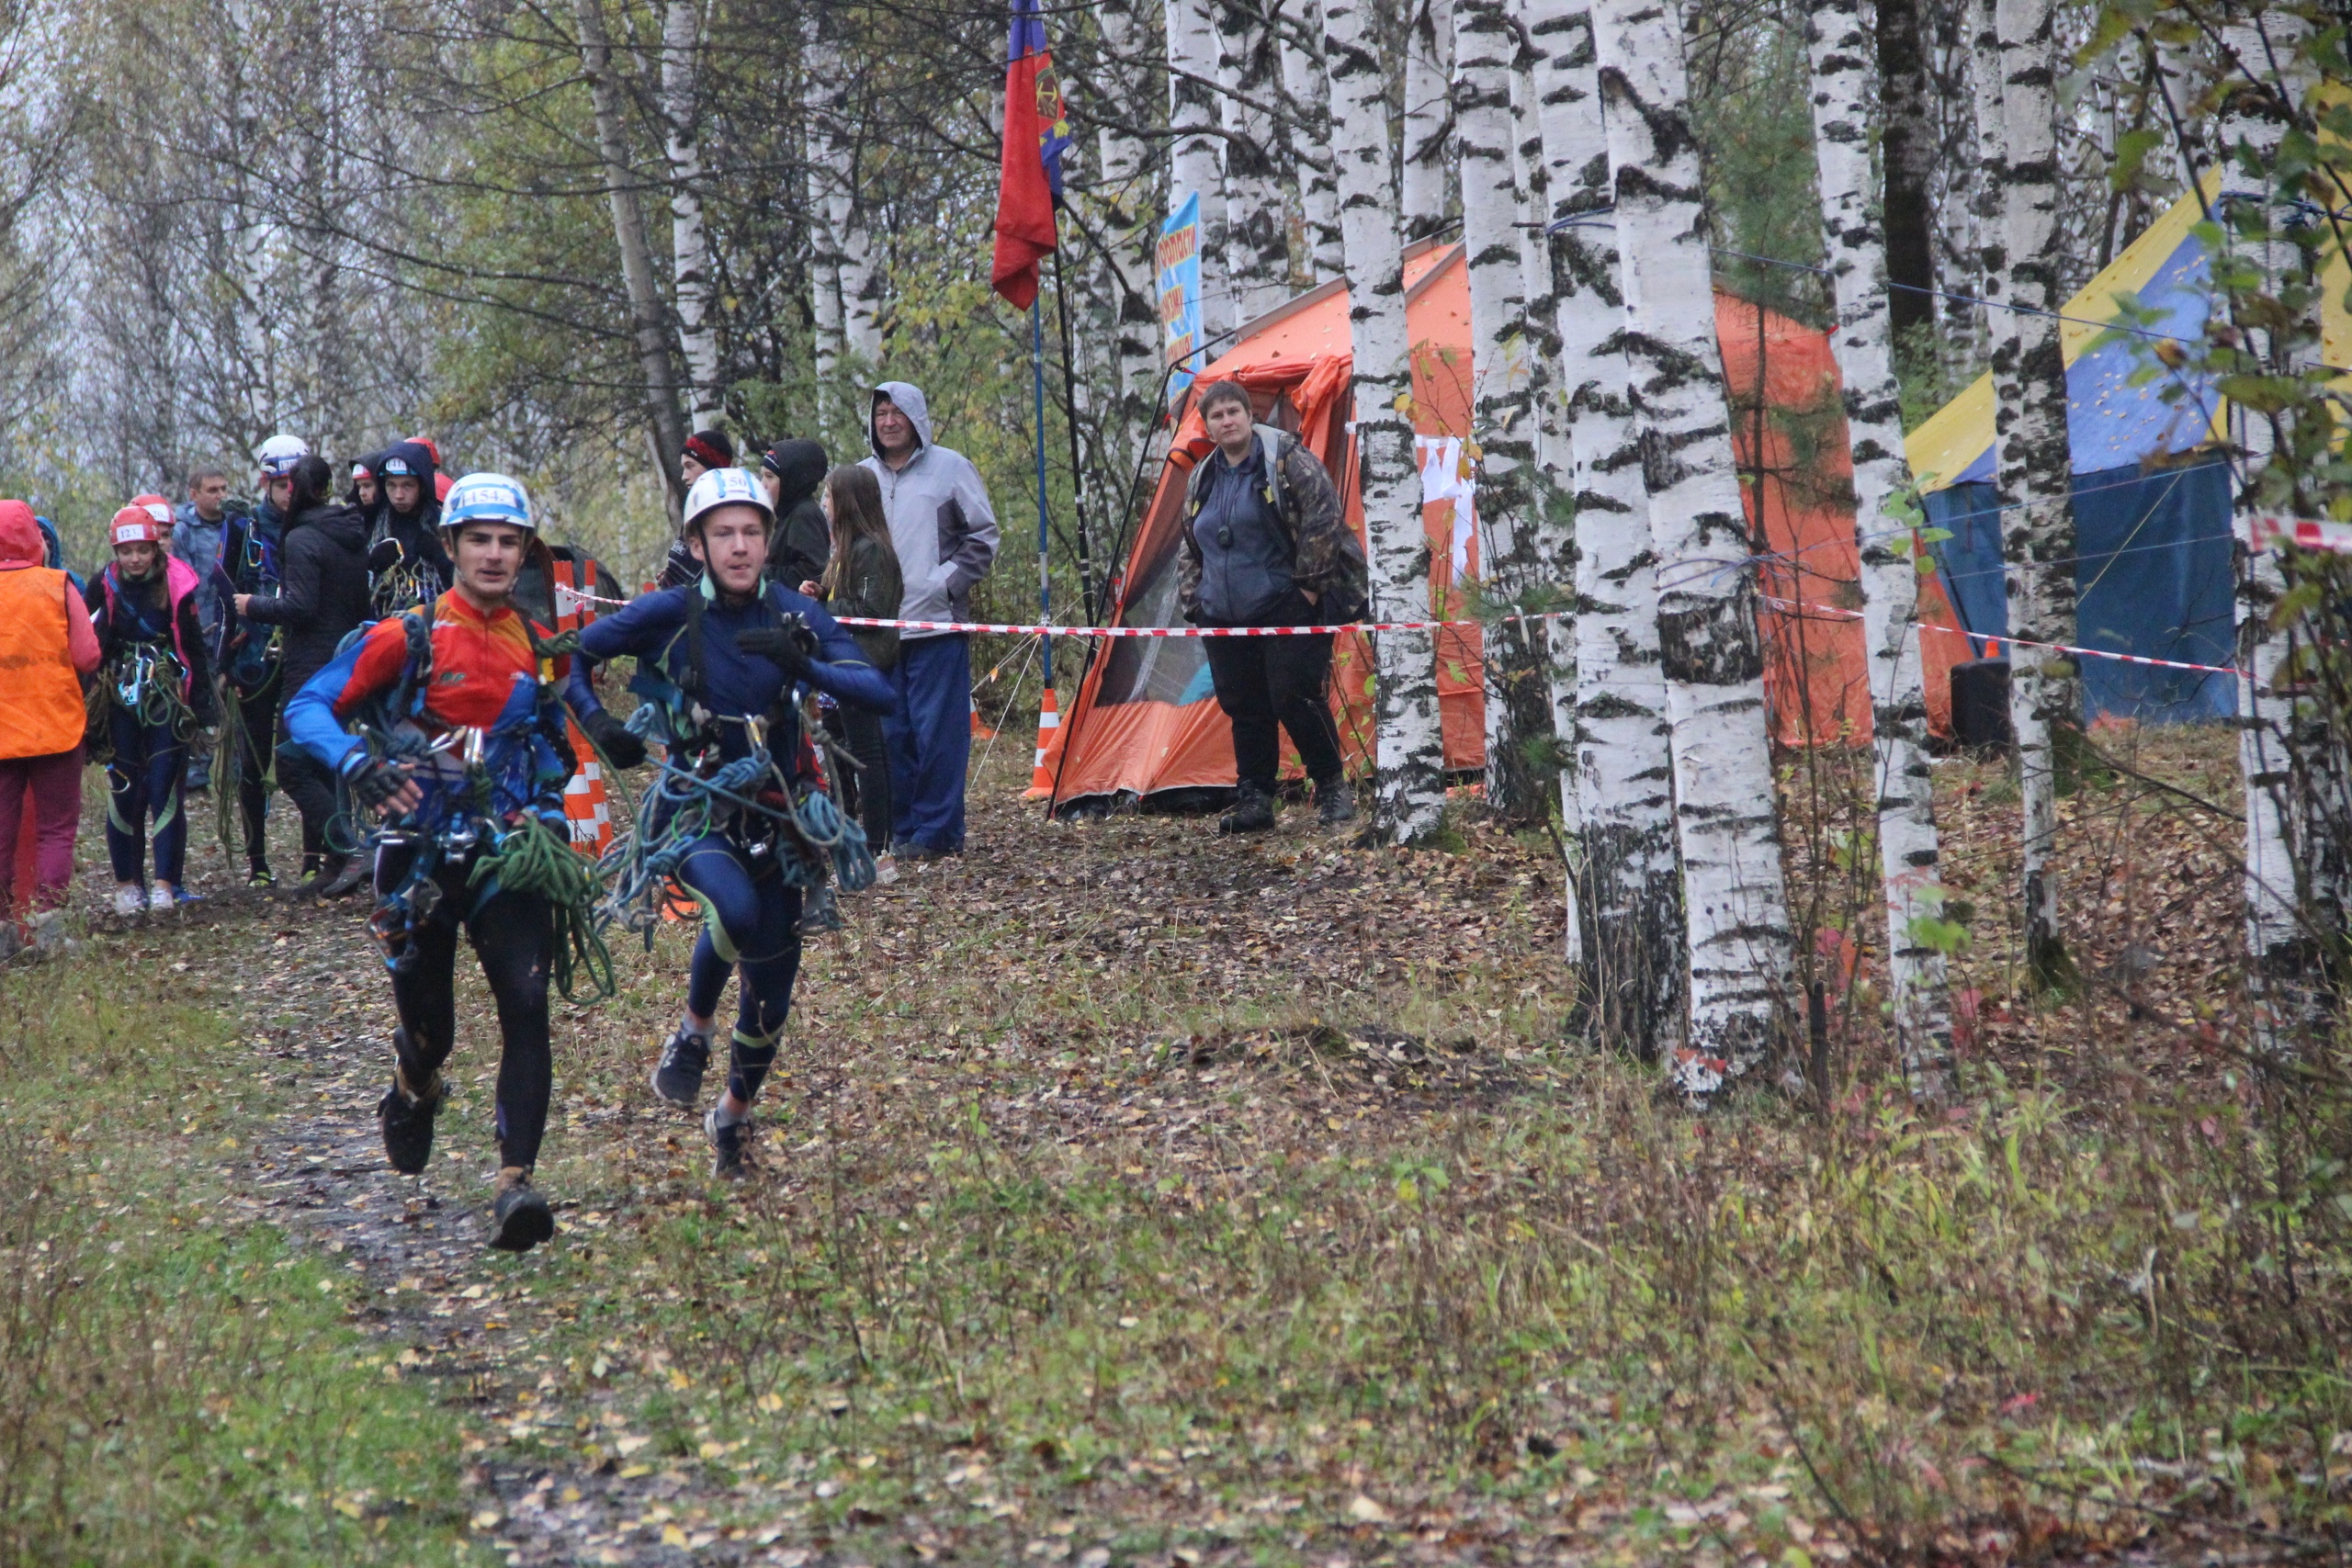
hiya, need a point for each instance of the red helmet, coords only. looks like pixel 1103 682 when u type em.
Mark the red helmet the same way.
pixel 135 525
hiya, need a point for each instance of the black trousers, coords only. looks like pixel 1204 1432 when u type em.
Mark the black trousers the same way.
pixel 254 735
pixel 865 789
pixel 1265 681
pixel 310 786
pixel 514 936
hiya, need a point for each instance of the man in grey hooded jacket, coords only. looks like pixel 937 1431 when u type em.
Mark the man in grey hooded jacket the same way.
pixel 945 532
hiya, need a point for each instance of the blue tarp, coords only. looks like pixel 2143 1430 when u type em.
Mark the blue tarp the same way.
pixel 2154 577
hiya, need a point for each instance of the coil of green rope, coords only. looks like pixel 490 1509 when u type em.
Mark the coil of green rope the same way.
pixel 531 859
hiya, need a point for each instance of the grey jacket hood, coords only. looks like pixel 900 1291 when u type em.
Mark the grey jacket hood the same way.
pixel 910 402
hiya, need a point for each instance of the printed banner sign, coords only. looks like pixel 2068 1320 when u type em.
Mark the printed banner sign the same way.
pixel 1179 292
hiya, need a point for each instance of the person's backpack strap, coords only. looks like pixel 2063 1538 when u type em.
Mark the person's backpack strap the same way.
pixel 694 682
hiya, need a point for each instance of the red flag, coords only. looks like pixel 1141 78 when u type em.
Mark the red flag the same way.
pixel 1034 135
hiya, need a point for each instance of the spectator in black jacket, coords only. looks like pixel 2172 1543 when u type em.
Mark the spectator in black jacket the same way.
pixel 791 472
pixel 321 596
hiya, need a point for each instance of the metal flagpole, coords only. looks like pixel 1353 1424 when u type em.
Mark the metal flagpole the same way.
pixel 1045 572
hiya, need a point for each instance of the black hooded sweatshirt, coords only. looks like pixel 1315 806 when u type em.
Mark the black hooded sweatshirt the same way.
pixel 417 534
pixel 803 542
pixel 323 587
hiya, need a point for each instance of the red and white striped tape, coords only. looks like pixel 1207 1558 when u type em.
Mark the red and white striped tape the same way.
pixel 2267 530
pixel 1836 613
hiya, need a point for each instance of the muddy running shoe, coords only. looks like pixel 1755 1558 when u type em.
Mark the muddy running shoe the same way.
pixel 1253 812
pixel 347 881
pixel 520 1219
pixel 261 876
pixel 1335 802
pixel 129 900
pixel 727 1146
pixel 408 1124
pixel 684 1058
pixel 162 899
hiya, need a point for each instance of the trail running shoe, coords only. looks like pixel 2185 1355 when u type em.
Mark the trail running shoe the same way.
pixel 261 876
pixel 727 1144
pixel 160 900
pixel 1253 812
pixel 684 1058
pixel 129 901
pixel 1335 802
pixel 520 1218
pixel 355 871
pixel 408 1125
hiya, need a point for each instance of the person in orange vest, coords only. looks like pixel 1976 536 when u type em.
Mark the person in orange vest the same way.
pixel 159 694
pixel 46 649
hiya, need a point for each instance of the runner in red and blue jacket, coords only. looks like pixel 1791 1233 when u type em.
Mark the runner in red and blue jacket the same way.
pixel 460 742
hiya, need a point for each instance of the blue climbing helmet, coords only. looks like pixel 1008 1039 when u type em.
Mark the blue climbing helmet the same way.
pixel 487 498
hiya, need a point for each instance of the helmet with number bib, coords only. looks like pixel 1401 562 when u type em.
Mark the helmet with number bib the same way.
pixel 487 498
pixel 727 487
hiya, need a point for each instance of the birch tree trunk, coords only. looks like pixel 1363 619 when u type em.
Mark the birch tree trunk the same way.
pixel 1429 118
pixel 1993 324
pixel 861 276
pixel 1631 886
pixel 1410 744
pixel 1502 415
pixel 648 324
pixel 2280 951
pixel 1257 238
pixel 1734 900
pixel 1908 151
pixel 2035 465
pixel 682 26
pixel 1304 88
pixel 1194 165
pixel 1840 44
pixel 1122 194
pixel 821 69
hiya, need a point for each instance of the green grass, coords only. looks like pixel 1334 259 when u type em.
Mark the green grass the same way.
pixel 177 1385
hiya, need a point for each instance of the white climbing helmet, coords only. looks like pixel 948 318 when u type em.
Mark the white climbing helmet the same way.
pixel 280 453
pixel 726 487
pixel 487 498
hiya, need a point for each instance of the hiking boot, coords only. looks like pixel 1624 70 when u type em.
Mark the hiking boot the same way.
pixel 1253 812
pixel 684 1058
pixel 520 1218
pixel 727 1146
pixel 1335 802
pixel 349 879
pixel 822 913
pixel 408 1124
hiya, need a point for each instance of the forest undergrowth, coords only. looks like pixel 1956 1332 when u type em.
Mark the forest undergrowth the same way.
pixel 1130 1195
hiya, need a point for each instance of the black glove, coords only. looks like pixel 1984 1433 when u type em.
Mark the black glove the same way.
pixel 787 647
pixel 613 738
pixel 375 781
pixel 384 553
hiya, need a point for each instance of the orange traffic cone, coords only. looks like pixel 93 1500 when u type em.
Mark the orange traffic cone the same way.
pixel 1049 749
pixel 586 810
pixel 980 730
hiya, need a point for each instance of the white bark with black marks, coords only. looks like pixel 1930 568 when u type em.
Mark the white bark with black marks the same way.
pixel 1307 100
pixel 1120 196
pixel 1411 743
pixel 2037 473
pixel 1426 161
pixel 682 43
pixel 1993 324
pixel 1840 43
pixel 1195 165
pixel 1632 884
pixel 821 75
pixel 1257 237
pixel 1735 897
pixel 1503 413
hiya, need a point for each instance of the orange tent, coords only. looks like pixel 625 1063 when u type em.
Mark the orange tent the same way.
pixel 1146 723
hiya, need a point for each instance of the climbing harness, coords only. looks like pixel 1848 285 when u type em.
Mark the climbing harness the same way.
pixel 774 818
